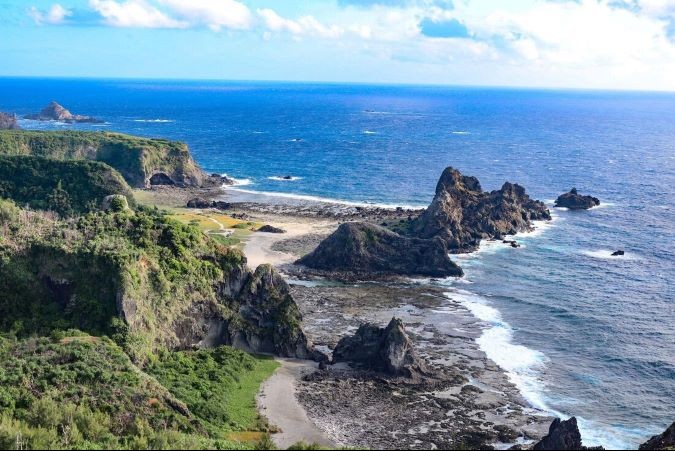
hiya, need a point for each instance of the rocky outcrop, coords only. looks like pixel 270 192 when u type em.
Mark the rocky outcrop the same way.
pixel 55 112
pixel 270 229
pixel 462 214
pixel 200 202
pixel 269 319
pixel 562 435
pixel 8 122
pixel 387 350
pixel 217 180
pixel 575 201
pixel 369 250
pixel 661 442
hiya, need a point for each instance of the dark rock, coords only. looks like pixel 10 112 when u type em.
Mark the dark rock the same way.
pixel 270 229
pixel 575 201
pixel 388 350
pixel 661 442
pixel 199 202
pixel 618 253
pixel 462 214
pixel 55 112
pixel 161 179
pixel 562 435
pixel 8 122
pixel 368 249
pixel 287 177
pixel 217 180
pixel 270 318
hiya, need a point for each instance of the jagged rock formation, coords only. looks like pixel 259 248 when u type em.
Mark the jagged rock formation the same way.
pixel 663 441
pixel 575 201
pixel 562 435
pixel 142 162
pixel 8 122
pixel 55 112
pixel 387 350
pixel 462 214
pixel 367 250
pixel 271 319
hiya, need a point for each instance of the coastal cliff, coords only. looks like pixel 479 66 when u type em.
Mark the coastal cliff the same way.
pixel 149 282
pixel 142 162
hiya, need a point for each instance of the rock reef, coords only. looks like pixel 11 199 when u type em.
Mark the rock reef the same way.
pixel 387 350
pixel 462 214
pixel 367 250
pixel 56 112
pixel 575 201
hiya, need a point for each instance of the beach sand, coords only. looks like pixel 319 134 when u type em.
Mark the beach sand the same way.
pixel 277 401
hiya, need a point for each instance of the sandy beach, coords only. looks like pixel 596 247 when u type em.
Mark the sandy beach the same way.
pixel 277 401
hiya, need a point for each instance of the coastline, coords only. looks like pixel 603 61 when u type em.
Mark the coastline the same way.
pixel 445 330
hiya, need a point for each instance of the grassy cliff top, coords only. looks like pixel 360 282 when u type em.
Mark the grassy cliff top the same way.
pixel 136 158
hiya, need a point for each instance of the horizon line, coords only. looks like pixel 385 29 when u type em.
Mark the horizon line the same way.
pixel 340 83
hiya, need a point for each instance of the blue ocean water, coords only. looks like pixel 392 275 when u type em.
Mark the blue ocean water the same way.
pixel 581 333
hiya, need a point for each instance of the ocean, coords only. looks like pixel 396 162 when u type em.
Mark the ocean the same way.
pixel 578 331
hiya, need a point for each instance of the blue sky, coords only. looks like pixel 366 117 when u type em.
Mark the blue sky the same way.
pixel 605 44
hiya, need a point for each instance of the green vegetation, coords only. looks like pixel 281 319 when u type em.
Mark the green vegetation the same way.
pixel 75 391
pixel 218 386
pixel 100 311
pixel 137 159
pixel 61 274
pixel 65 187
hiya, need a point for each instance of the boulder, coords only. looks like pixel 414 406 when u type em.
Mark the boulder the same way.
pixel 661 442
pixel 562 435
pixel 55 112
pixel 368 250
pixel 199 202
pixel 387 350
pixel 8 122
pixel 270 229
pixel 462 214
pixel 618 253
pixel 575 201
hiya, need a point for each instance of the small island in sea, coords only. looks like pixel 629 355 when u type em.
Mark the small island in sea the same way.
pixel 138 292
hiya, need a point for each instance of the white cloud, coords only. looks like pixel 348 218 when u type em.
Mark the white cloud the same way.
pixel 659 8
pixel 134 13
pixel 306 25
pixel 216 14
pixel 56 15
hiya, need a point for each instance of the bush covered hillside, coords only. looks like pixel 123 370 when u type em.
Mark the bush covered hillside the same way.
pixel 137 159
pixel 65 187
pixel 75 391
pixel 114 328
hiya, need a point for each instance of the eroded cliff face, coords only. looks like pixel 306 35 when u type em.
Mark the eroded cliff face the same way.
pixel 462 214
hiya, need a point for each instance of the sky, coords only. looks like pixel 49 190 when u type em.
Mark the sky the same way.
pixel 589 44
